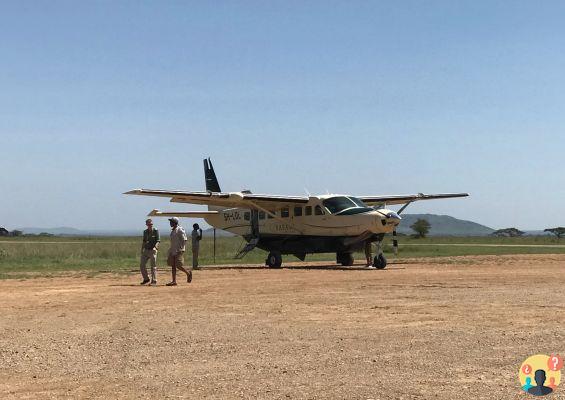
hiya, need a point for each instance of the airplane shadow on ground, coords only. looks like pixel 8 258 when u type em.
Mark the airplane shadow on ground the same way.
pixel 330 267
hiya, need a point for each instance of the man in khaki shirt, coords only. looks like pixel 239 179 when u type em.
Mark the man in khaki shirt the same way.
pixel 176 251
pixel 149 249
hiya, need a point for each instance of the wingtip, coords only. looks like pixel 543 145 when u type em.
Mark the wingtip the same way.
pixel 134 191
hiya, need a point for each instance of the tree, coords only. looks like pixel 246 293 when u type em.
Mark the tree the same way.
pixel 421 227
pixel 508 232
pixel 559 231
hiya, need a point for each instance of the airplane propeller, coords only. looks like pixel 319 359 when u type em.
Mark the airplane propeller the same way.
pixel 394 239
pixel 394 235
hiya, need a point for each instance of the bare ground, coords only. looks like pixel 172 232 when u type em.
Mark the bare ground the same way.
pixel 455 328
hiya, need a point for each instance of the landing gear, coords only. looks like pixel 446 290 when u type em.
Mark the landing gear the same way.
pixel 274 260
pixel 379 261
pixel 345 259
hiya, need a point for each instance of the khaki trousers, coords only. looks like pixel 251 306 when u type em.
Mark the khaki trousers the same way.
pixel 148 255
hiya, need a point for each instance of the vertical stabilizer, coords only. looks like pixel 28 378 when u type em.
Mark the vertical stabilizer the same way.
pixel 212 184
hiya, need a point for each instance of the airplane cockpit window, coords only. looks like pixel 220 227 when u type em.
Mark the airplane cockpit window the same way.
pixel 284 212
pixel 318 210
pixel 298 211
pixel 357 201
pixel 338 205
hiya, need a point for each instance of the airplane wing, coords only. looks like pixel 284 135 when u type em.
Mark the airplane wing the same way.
pixel 233 199
pixel 403 199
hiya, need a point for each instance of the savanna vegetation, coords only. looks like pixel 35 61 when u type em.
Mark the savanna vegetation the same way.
pixel 23 256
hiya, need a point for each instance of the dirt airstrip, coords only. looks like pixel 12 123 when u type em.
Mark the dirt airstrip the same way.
pixel 455 328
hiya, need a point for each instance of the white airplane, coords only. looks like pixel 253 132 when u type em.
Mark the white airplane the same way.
pixel 297 225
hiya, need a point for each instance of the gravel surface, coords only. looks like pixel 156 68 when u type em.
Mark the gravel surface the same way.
pixel 449 328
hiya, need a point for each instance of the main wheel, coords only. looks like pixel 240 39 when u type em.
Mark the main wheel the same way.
pixel 379 262
pixel 345 259
pixel 274 260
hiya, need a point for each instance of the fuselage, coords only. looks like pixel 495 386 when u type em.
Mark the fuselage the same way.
pixel 322 224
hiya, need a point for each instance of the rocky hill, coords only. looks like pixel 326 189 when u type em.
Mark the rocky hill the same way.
pixel 444 225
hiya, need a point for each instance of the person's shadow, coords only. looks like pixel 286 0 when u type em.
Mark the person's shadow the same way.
pixel 540 389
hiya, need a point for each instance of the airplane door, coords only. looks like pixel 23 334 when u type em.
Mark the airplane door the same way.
pixel 254 223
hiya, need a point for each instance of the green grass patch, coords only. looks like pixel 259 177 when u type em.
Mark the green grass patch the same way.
pixel 20 257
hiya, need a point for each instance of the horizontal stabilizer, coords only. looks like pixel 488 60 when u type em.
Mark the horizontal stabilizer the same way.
pixel 186 214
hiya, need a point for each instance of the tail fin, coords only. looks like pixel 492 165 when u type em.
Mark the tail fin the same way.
pixel 212 184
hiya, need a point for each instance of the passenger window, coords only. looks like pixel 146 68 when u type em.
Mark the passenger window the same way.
pixel 247 216
pixel 298 211
pixel 308 210
pixel 318 210
pixel 271 213
pixel 261 214
pixel 284 212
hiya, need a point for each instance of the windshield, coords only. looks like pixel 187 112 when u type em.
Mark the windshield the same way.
pixel 337 204
pixel 357 201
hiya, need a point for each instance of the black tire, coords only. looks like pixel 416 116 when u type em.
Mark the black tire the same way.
pixel 345 259
pixel 379 262
pixel 274 260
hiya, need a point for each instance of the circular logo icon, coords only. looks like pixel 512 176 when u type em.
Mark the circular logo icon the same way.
pixel 540 375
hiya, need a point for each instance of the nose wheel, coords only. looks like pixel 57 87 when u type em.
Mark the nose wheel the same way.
pixel 274 260
pixel 379 262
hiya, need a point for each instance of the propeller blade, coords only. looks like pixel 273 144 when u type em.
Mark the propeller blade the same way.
pixel 394 243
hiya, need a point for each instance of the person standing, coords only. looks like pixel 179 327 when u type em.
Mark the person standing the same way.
pixel 368 254
pixel 196 238
pixel 176 251
pixel 149 249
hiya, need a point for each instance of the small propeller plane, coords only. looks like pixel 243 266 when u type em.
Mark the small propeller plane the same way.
pixel 297 225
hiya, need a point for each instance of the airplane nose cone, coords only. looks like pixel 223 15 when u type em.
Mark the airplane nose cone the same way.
pixel 388 218
pixel 391 219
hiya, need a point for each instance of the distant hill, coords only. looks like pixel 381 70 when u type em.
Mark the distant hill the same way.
pixel 61 231
pixel 444 225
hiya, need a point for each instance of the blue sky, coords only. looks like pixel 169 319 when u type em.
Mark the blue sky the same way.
pixel 351 97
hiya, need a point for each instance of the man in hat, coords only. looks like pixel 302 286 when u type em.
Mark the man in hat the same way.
pixel 176 251
pixel 196 238
pixel 149 249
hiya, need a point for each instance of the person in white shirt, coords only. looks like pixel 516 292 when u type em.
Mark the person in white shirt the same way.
pixel 176 251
